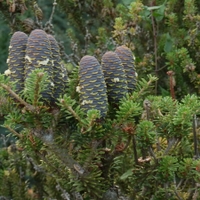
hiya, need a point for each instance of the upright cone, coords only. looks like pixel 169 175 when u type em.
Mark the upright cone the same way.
pixel 38 55
pixel 127 59
pixel 59 71
pixel 92 86
pixel 16 59
pixel 115 77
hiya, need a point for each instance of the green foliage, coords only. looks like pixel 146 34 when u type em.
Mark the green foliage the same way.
pixel 167 167
pixel 145 134
pixel 144 145
pixel 34 85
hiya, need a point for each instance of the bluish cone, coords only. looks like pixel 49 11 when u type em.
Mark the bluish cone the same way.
pixel 92 87
pixel 38 55
pixel 59 71
pixel 16 59
pixel 115 77
pixel 127 59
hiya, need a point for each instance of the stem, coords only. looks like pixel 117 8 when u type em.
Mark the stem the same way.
pixel 64 156
pixel 170 145
pixel 52 12
pixel 171 83
pixel 144 88
pixel 155 49
pixel 37 93
pixel 13 131
pixel 152 154
pixel 70 109
pixel 196 153
pixel 8 89
pixel 176 193
pixel 65 56
pixel 135 150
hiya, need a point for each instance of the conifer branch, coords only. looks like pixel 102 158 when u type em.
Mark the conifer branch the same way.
pixel 37 88
pixel 70 109
pixel 13 131
pixel 47 138
pixel 20 100
pixel 151 80
pixel 67 159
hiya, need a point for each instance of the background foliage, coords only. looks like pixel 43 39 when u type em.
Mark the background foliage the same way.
pixel 147 146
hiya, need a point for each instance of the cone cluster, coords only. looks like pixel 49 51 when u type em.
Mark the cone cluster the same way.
pixel 108 82
pixel 39 50
pixel 99 84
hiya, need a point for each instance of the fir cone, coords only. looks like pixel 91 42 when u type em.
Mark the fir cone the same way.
pixel 92 87
pixel 16 59
pixel 115 77
pixel 127 59
pixel 38 55
pixel 59 71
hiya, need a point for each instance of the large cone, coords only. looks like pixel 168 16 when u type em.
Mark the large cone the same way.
pixel 92 86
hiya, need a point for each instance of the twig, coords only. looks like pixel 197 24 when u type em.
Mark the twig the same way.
pixel 180 183
pixel 144 88
pixel 8 89
pixel 196 192
pixel 135 150
pixel 93 152
pixel 49 26
pixel 152 154
pixel 64 156
pixel 64 55
pixel 170 145
pixel 155 49
pixel 171 83
pixel 176 193
pixel 69 108
pixel 194 124
pixel 13 131
pixel 52 12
